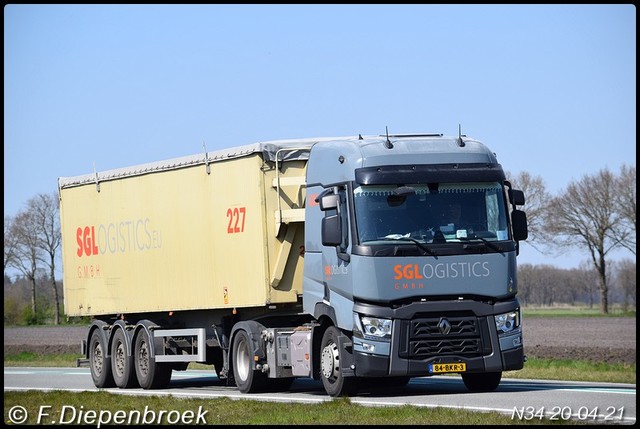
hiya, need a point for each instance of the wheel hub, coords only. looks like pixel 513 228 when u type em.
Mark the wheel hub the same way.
pixel 97 358
pixel 330 362
pixel 120 357
pixel 143 362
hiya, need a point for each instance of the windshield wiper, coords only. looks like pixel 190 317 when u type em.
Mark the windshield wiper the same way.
pixel 398 237
pixel 488 243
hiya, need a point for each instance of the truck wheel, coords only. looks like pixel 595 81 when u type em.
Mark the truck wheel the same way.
pixel 122 367
pixel 334 382
pixel 99 363
pixel 151 375
pixel 483 382
pixel 247 379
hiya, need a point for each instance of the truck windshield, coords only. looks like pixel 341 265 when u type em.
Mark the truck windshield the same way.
pixel 439 213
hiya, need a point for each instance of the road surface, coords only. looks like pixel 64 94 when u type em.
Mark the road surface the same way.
pixel 520 399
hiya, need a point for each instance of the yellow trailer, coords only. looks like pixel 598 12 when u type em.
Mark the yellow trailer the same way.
pixel 218 230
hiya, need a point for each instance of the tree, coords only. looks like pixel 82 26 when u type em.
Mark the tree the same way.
pixel 587 277
pixel 10 243
pixel 585 216
pixel 27 251
pixel 625 205
pixel 536 199
pixel 627 282
pixel 45 210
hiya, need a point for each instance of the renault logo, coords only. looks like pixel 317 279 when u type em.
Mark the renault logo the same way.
pixel 444 326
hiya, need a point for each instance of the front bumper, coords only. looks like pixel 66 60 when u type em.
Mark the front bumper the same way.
pixel 417 341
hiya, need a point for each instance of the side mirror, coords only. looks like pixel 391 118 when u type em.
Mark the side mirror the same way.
pixel 329 202
pixel 516 197
pixel 519 223
pixel 331 230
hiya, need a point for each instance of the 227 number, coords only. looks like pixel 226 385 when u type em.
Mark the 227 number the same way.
pixel 236 217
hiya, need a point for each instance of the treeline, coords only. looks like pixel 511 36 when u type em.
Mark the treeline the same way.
pixel 17 302
pixel 595 215
pixel 546 285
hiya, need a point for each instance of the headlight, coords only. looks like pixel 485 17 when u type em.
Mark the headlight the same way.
pixel 374 327
pixel 507 322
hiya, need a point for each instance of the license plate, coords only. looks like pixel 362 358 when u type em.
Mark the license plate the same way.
pixel 439 368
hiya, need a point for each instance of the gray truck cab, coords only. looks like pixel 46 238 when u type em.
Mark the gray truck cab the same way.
pixel 410 260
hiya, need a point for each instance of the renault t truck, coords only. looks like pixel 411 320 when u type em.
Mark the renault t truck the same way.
pixel 358 261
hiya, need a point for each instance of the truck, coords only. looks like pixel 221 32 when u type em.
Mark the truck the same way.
pixel 328 258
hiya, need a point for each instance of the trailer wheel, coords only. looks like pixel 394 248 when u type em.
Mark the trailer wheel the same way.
pixel 334 382
pixel 151 375
pixel 122 367
pixel 482 382
pixel 247 379
pixel 99 363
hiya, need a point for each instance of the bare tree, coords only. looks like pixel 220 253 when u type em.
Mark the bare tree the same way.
pixel 626 280
pixel 10 243
pixel 525 283
pixel 536 198
pixel 45 211
pixel 587 276
pixel 625 205
pixel 573 286
pixel 27 251
pixel 585 216
pixel 538 284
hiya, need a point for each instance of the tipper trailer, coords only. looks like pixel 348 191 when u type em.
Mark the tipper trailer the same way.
pixel 339 259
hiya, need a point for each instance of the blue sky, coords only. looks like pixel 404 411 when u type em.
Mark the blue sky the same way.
pixel 549 88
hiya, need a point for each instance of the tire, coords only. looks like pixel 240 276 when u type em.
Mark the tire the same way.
pixel 150 374
pixel 248 380
pixel 99 363
pixel 124 373
pixel 483 382
pixel 335 384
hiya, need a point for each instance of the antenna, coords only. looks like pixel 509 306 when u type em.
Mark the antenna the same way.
pixel 206 157
pixel 388 143
pixel 96 176
pixel 460 141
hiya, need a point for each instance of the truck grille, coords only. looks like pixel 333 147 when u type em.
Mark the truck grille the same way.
pixel 424 338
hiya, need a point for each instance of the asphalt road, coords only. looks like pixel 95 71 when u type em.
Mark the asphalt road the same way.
pixel 521 399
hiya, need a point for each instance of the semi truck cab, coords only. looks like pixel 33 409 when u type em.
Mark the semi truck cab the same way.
pixel 410 252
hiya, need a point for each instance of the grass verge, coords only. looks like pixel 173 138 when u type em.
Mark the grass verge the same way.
pixel 110 408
